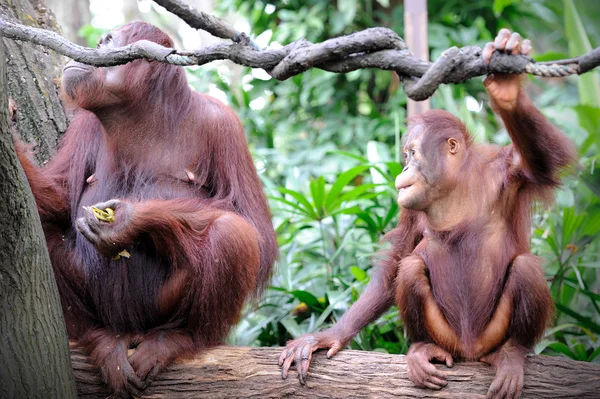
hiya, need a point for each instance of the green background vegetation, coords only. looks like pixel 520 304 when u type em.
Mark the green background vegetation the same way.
pixel 327 148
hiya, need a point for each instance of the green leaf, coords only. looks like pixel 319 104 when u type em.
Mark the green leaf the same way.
pixel 564 349
pixel 550 56
pixel 358 273
pixel 585 321
pixel 357 193
pixel 570 224
pixel 291 204
pixel 329 309
pixel 309 299
pixel 349 155
pixel 317 190
pixel 292 327
pixel 308 208
pixel 366 217
pixel 592 180
pixel 594 355
pixel 341 182
pixel 581 352
pixel 579 44
pixel 589 119
pixel 565 326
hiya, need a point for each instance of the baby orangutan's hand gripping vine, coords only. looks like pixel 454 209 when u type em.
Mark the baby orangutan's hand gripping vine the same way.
pixel 459 266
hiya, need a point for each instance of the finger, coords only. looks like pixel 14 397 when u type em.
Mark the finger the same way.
pixel 519 386
pixel 417 376
pixel 133 391
pixel 302 366
pixel 431 385
pixel 489 359
pixel 85 231
pixel 494 388
pixel 505 390
pixel 516 49
pixel 335 348
pixel 446 358
pixel 438 381
pixel 284 355
pixel 442 356
pixel 502 39
pixel 143 369
pixel 488 80
pixel 92 222
pixel 156 370
pixel 431 370
pixel 526 47
pixel 513 43
pixel 286 366
pixel 132 379
pixel 512 389
pixel 487 52
pixel 112 203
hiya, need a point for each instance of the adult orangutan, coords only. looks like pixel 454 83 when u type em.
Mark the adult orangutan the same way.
pixel 459 266
pixel 189 209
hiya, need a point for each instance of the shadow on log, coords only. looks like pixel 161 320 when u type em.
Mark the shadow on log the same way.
pixel 243 372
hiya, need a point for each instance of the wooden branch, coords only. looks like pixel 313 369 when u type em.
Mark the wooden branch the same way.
pixel 243 372
pixel 200 20
pixel 378 48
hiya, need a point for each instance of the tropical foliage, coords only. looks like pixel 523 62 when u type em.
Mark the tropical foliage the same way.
pixel 327 147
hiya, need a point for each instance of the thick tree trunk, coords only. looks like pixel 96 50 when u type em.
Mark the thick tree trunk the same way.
pixel 33 78
pixel 34 356
pixel 242 372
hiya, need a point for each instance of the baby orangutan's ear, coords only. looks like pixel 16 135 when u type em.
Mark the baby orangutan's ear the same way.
pixel 454 145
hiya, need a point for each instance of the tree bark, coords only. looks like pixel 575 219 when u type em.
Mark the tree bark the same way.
pixel 242 372
pixel 33 74
pixel 34 357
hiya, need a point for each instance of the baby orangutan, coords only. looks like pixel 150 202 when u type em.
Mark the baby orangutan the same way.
pixel 459 266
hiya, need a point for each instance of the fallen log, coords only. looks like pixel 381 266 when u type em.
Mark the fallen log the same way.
pixel 243 372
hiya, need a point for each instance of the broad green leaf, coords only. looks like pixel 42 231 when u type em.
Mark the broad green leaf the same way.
pixel 308 208
pixel 592 180
pixel 341 182
pixel 594 355
pixel 350 155
pixel 589 119
pixel 358 273
pixel 317 190
pixel 293 205
pixel 309 299
pixel 292 327
pixel 579 44
pixel 500 5
pixel 357 193
pixel 585 321
pixel 570 224
pixel 580 351
pixel 564 349
pixel 565 326
pixel 550 56
pixel 329 309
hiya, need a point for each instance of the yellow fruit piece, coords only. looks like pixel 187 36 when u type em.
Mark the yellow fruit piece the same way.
pixel 124 253
pixel 106 215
